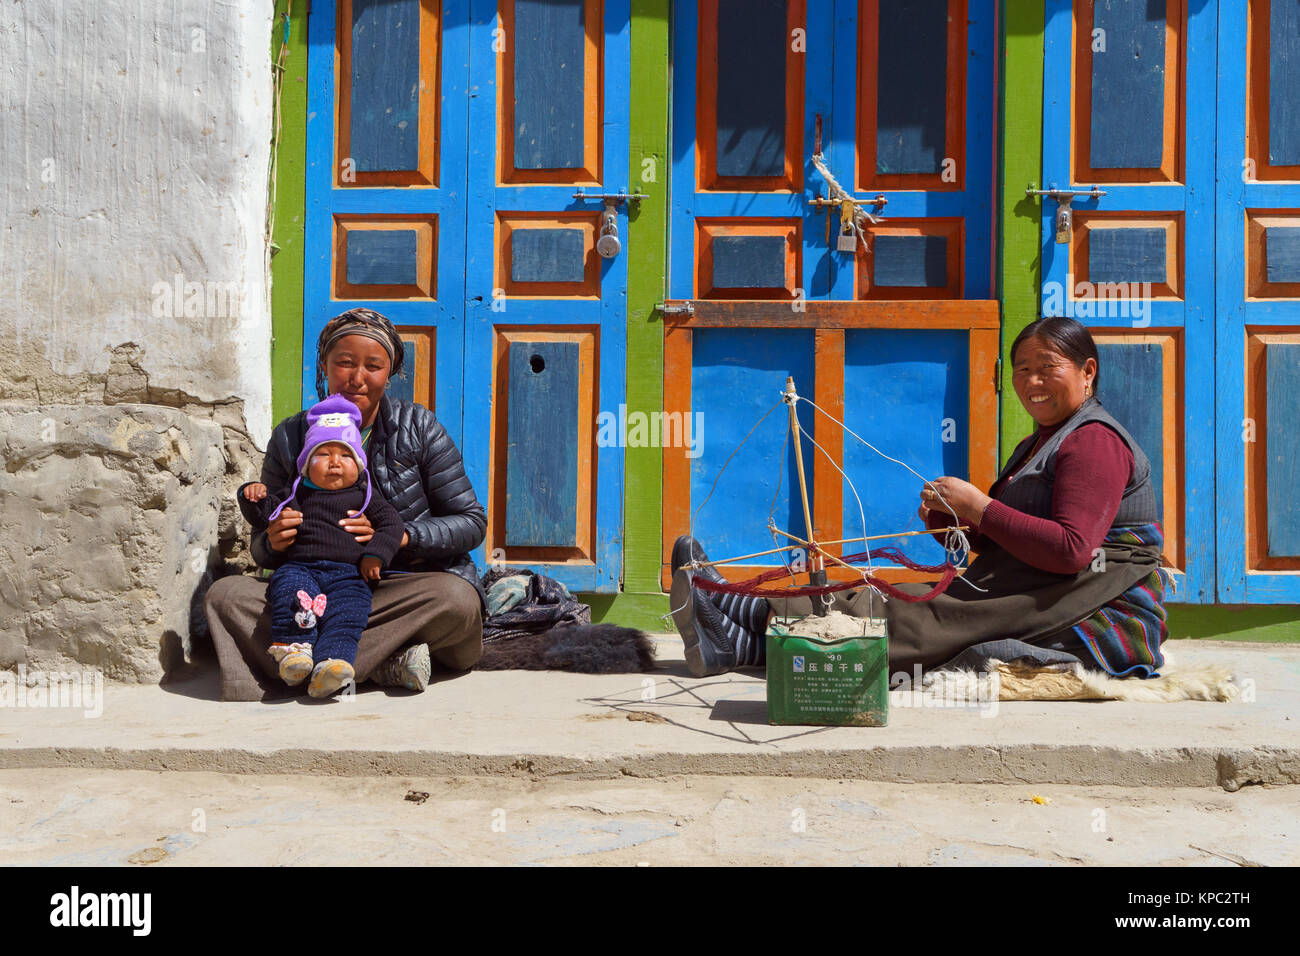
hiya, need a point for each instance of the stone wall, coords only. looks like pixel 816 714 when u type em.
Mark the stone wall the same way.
pixel 118 508
pixel 134 307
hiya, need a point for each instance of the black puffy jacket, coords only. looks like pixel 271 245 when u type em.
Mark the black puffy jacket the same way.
pixel 417 467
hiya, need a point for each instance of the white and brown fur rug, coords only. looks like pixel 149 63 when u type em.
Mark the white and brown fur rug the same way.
pixel 1018 681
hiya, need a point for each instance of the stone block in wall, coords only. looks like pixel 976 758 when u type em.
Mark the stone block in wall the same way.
pixel 110 518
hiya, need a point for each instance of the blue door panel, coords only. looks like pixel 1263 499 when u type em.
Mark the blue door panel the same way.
pixel 915 377
pixel 1128 85
pixel 1284 82
pixel 912 110
pixel 385 78
pixel 547 255
pixel 549 78
pixel 914 261
pixel 1283 438
pixel 751 88
pixel 1133 386
pixel 381 257
pixel 542 457
pixel 736 376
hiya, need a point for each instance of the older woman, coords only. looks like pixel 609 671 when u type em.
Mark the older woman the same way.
pixel 1069 547
pixel 432 613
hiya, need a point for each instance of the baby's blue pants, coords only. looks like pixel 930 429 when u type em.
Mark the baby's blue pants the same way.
pixel 347 607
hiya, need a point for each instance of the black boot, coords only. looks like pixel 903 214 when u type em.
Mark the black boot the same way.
pixel 750 612
pixel 715 642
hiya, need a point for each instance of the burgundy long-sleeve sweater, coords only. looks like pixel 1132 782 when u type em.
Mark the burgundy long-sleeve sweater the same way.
pixel 1093 466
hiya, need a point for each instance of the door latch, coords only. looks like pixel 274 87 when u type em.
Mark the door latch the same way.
pixel 1064 210
pixel 608 244
pixel 847 236
pixel 617 198
pixel 686 308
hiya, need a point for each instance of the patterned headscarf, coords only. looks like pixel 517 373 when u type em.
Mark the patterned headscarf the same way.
pixel 365 322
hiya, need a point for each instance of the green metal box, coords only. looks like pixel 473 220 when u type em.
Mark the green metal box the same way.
pixel 840 682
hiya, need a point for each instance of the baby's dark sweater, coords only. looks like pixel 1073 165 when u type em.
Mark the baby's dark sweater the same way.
pixel 320 536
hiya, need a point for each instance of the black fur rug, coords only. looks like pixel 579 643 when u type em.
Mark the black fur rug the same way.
pixel 581 648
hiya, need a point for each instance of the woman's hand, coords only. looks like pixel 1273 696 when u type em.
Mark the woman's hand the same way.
pixel 964 498
pixel 281 532
pixel 358 524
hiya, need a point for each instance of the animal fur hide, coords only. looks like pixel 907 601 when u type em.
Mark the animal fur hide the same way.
pixel 1018 681
pixel 581 648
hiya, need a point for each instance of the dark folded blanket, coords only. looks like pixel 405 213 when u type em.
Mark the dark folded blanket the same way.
pixel 546 603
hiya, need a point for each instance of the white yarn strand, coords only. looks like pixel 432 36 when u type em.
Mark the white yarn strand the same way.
pixel 955 540
pixel 667 618
pixel 862 515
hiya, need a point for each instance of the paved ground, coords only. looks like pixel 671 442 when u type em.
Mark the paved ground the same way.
pixel 536 725
pixel 145 818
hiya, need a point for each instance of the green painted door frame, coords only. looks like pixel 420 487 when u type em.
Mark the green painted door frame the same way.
pixel 289 201
pixel 642 602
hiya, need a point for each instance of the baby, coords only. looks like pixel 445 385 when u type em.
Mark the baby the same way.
pixel 319 601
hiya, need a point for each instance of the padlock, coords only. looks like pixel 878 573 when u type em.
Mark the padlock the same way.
pixel 607 245
pixel 848 238
pixel 1064 222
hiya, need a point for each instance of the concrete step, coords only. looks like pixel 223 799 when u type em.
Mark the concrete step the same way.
pixel 664 723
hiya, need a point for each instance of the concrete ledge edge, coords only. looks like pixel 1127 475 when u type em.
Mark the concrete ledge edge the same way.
pixel 1229 768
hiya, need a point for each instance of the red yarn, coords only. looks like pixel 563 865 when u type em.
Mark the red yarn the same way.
pixel 755 584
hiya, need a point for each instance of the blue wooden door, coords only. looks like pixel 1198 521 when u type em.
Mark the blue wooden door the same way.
pixel 1129 106
pixel 545 313
pixel 1257 260
pixel 898 336
pixel 386 126
pixel 446 142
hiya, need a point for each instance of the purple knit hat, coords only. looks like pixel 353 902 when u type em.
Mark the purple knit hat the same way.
pixel 333 420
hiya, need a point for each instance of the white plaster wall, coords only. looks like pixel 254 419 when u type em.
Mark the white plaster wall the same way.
pixel 134 142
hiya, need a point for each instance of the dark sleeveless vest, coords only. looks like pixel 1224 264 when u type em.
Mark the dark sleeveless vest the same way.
pixel 1030 489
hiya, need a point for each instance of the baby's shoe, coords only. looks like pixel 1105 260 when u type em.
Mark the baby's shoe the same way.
pixel 295 661
pixel 328 676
